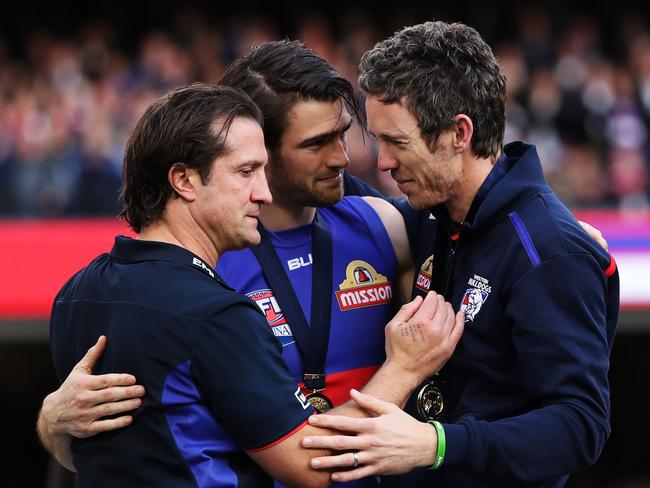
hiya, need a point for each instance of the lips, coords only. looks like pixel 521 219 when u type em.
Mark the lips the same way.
pixel 402 183
pixel 331 177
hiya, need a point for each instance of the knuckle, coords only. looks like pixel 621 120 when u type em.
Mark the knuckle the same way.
pixel 107 409
pixel 78 401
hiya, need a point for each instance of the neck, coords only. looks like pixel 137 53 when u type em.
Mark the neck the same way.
pixel 277 217
pixel 474 173
pixel 177 231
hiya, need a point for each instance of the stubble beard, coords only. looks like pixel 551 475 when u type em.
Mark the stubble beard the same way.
pixel 299 193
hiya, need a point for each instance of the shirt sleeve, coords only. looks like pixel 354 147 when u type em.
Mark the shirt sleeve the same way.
pixel 562 348
pixel 238 364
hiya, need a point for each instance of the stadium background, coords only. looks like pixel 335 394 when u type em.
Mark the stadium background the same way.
pixel 73 80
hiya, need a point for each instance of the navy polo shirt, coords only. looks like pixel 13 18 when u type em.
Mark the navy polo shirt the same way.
pixel 215 379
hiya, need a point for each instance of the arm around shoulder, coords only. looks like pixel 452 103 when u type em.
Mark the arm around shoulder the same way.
pixel 393 222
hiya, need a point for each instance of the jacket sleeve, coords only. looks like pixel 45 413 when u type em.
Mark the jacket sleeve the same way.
pixel 559 310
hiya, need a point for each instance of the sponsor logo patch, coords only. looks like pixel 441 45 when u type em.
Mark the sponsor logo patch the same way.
pixel 475 297
pixel 424 275
pixel 273 313
pixel 363 287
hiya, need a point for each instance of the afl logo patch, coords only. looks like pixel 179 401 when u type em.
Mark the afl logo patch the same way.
pixel 363 287
pixel 424 276
pixel 273 313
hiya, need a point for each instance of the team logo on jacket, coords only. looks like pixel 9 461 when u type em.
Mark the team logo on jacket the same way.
pixel 363 287
pixel 424 276
pixel 273 313
pixel 475 297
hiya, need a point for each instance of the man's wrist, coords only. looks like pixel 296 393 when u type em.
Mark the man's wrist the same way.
pixel 408 377
pixel 429 446
pixel 45 422
pixel 441 444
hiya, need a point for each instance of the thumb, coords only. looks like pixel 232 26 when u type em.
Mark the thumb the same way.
pixel 87 363
pixel 372 404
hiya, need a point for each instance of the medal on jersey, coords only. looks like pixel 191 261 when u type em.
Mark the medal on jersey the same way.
pixel 311 338
pixel 430 401
pixel 318 399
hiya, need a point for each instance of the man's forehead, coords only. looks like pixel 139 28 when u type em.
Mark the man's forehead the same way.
pixel 393 119
pixel 314 117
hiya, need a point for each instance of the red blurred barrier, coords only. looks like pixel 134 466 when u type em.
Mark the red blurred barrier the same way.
pixel 38 257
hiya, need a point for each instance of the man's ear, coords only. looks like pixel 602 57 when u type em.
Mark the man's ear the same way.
pixel 182 179
pixel 463 131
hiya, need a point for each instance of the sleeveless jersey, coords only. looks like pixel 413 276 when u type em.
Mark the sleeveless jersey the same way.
pixel 363 281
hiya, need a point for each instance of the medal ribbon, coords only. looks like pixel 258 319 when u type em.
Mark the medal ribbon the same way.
pixel 312 338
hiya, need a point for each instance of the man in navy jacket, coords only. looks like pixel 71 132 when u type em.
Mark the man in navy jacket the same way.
pixel 524 401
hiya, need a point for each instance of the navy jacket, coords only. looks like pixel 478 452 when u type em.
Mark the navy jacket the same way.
pixel 526 392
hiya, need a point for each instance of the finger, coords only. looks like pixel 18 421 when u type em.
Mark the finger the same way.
pixel 459 327
pixel 334 442
pixel 339 422
pixel 345 460
pixel 354 474
pixel 372 404
pixel 87 363
pixel 429 307
pixel 114 380
pixel 450 319
pixel 408 310
pixel 107 425
pixel 113 408
pixel 119 393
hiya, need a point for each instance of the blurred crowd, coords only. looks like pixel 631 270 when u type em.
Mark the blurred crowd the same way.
pixel 68 103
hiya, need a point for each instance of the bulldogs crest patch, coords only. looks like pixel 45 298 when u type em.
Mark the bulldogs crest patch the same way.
pixel 475 297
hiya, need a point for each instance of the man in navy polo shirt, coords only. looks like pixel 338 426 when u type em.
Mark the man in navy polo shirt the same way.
pixel 220 403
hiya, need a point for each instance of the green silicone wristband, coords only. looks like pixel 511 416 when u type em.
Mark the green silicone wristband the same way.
pixel 442 444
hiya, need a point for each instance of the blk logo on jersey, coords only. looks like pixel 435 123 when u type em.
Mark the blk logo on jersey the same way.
pixel 424 276
pixel 363 287
pixel 300 262
pixel 475 297
pixel 273 313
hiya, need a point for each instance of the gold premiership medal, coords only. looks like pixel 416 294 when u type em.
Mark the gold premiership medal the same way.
pixel 319 401
pixel 430 401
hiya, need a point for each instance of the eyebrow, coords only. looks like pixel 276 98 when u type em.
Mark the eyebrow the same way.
pixel 402 138
pixel 253 163
pixel 324 137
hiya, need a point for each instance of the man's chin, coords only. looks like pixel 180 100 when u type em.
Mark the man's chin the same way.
pixel 253 238
pixel 416 203
pixel 328 198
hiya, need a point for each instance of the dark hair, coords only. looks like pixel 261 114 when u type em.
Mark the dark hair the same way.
pixel 177 128
pixel 276 74
pixel 440 70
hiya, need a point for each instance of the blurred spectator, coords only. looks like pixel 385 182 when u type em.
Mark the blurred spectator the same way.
pixel 68 103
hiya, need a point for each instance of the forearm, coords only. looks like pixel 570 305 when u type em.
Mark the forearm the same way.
pixel 390 384
pixel 56 443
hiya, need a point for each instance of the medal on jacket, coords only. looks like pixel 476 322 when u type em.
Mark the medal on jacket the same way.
pixel 311 338
pixel 430 401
